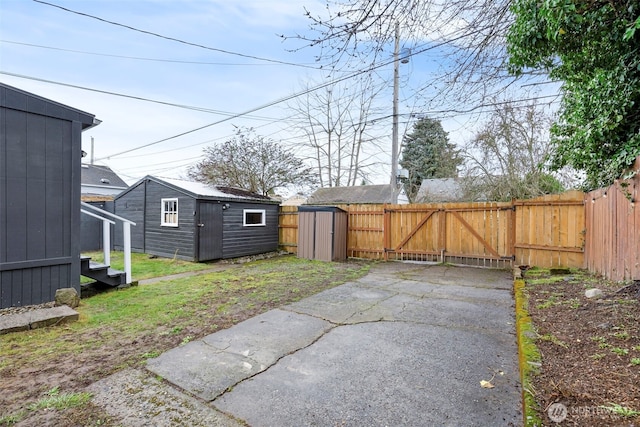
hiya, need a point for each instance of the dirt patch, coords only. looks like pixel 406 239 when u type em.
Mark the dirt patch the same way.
pixel 590 349
pixel 26 378
pixel 136 397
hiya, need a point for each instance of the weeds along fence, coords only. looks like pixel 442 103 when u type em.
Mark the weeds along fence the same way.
pixel 613 229
pixel 546 232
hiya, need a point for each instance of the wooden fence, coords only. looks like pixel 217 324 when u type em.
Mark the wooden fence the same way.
pixel 613 229
pixel 546 232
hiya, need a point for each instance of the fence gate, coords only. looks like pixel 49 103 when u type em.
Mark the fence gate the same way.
pixel 479 235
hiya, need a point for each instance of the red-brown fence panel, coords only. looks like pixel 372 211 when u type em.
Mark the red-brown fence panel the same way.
pixel 613 229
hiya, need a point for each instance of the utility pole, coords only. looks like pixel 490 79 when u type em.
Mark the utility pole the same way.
pixel 91 150
pixel 394 135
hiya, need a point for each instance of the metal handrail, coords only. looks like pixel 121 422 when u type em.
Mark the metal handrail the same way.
pixel 106 239
pixel 87 205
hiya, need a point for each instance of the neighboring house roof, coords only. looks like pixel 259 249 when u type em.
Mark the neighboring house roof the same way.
pixel 100 181
pixel 296 200
pixel 440 190
pixel 362 194
pixel 200 190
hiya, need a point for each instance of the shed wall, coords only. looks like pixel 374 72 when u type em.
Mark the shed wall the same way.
pixel 306 235
pixel 131 206
pixel 91 229
pixel 239 240
pixel 142 204
pixel 340 231
pixel 322 234
pixel 179 242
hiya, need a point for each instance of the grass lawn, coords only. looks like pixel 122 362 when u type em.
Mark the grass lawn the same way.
pixel 143 267
pixel 124 327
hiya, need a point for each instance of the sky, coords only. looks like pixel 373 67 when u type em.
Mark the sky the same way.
pixel 213 60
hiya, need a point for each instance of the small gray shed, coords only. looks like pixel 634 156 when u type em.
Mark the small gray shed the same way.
pixel 196 222
pixel 40 157
pixel 322 233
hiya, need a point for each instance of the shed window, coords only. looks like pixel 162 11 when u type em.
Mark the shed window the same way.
pixel 169 215
pixel 254 217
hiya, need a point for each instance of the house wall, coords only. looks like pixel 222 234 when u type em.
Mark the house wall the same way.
pixel 239 240
pixel 40 148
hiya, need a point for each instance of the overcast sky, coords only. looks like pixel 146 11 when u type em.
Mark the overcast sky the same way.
pixel 228 59
pixel 40 41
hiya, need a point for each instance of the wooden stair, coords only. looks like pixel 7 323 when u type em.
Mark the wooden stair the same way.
pixel 102 273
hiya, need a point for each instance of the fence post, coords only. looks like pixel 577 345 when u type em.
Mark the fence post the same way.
pixel 386 231
pixel 442 232
pixel 512 230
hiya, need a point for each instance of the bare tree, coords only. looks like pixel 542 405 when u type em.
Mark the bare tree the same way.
pixel 335 123
pixel 471 34
pixel 506 158
pixel 252 163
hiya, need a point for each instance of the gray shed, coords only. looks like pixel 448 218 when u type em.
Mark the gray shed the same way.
pixel 196 222
pixel 322 233
pixel 40 157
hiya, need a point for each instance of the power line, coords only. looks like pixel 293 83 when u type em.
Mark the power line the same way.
pixel 272 103
pixel 228 52
pixel 137 58
pixel 212 140
pixel 138 98
pixel 188 160
pixel 441 112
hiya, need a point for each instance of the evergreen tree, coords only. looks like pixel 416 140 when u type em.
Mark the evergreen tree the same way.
pixel 427 153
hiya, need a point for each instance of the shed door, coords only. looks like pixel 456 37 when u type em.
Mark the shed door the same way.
pixel 210 232
pixel 324 236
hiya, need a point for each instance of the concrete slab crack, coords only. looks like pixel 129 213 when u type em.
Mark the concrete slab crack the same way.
pixel 275 362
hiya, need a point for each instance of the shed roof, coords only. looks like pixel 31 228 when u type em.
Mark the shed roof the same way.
pixel 200 190
pixel 361 194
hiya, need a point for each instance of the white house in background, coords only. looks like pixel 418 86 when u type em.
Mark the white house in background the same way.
pixel 443 190
pixel 296 200
pixel 440 190
pixel 360 194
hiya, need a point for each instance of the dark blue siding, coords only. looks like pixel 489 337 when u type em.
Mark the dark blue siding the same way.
pixel 40 145
pixel 166 241
pixel 131 205
pixel 142 205
pixel 144 199
pixel 91 229
pixel 239 240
